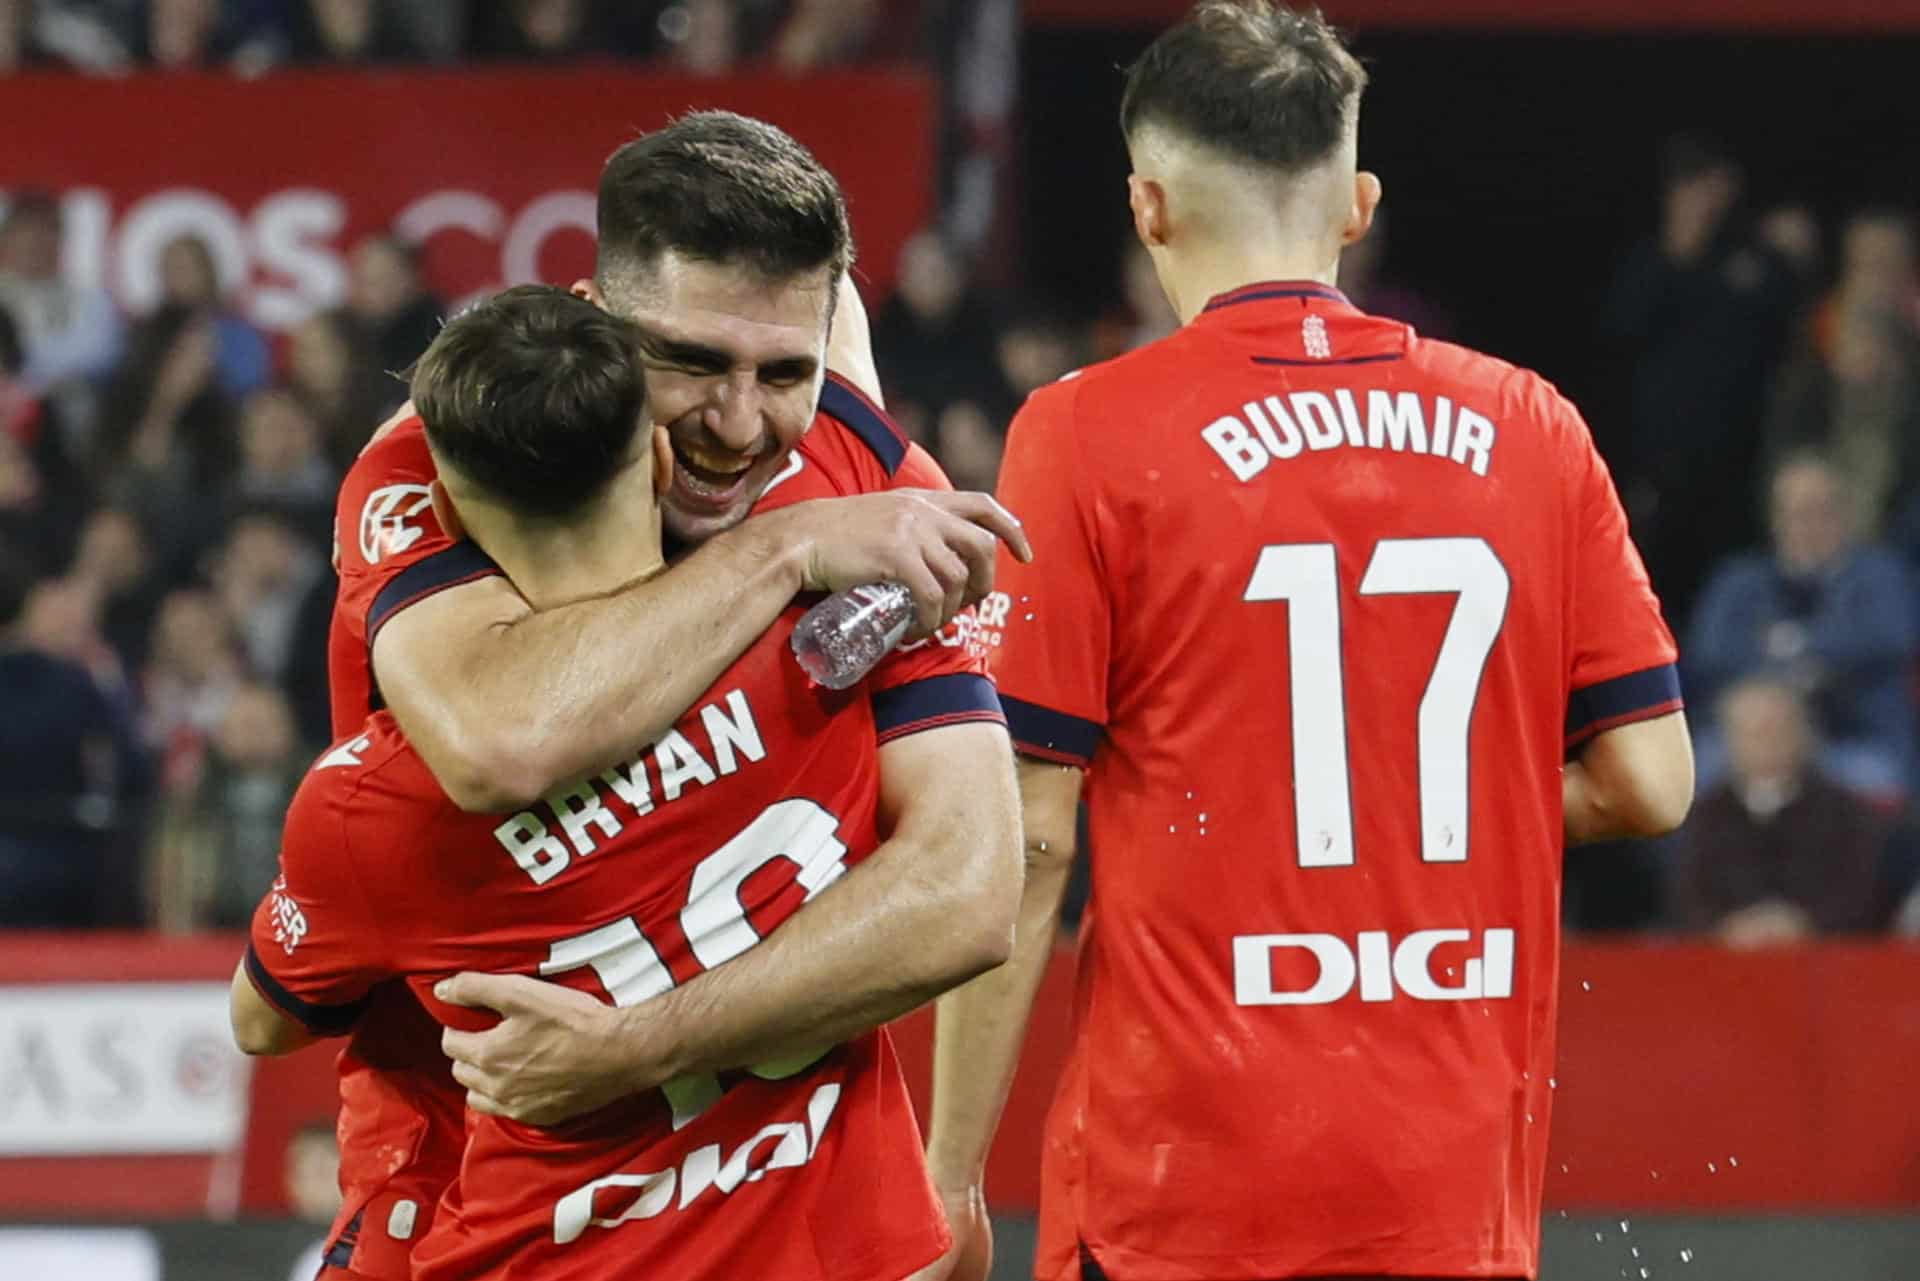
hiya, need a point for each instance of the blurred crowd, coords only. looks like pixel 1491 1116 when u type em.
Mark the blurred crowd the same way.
pixel 251 37
pixel 167 479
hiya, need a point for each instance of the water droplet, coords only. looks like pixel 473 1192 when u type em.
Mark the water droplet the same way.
pixel 1624 1226
pixel 1636 1251
pixel 1203 816
pixel 1025 599
pixel 1686 1256
pixel 1563 1213
pixel 1563 1170
pixel 1043 847
pixel 1585 986
pixel 1734 1161
pixel 1203 831
pixel 1449 971
pixel 1529 1118
pixel 1172 828
pixel 1189 795
pixel 1553 1083
pixel 1028 618
pixel 1654 1173
pixel 1644 1274
pixel 1712 1168
pixel 1599 1237
pixel 1524 1076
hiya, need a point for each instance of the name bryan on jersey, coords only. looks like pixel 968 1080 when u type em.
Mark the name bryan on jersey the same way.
pixel 666 769
pixel 1281 427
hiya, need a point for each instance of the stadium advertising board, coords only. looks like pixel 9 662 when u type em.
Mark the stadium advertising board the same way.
pixel 91 1068
pixel 492 172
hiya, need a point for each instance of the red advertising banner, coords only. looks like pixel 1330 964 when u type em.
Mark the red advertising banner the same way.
pixel 492 171
pixel 1731 16
pixel 1690 1079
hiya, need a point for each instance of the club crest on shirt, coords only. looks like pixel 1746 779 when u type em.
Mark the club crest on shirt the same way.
pixel 391 522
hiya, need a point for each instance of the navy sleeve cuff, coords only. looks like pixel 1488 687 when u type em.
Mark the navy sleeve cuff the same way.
pixel 1637 696
pixel 1050 735
pixel 842 400
pixel 934 702
pixel 321 1020
pixel 449 567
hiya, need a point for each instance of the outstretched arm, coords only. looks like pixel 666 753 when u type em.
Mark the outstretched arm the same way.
pixel 930 908
pixel 505 704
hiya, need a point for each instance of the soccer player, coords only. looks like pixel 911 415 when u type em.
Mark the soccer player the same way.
pixel 726 241
pixel 807 1164
pixel 1323 608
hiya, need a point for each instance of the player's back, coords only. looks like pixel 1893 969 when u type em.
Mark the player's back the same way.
pixel 1336 565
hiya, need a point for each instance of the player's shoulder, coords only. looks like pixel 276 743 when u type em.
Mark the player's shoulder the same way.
pixel 851 433
pixel 374 770
pixel 1502 390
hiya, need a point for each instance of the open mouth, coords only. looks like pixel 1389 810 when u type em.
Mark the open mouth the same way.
pixel 710 479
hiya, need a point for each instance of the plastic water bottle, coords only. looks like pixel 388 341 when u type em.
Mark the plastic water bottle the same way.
pixel 840 640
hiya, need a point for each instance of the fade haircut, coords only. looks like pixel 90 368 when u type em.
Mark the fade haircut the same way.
pixel 721 188
pixel 535 396
pixel 1254 80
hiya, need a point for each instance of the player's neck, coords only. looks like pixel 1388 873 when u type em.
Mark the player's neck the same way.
pixel 1204 276
pixel 554 563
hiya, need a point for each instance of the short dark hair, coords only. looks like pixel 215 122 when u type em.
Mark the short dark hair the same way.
pixel 723 188
pixel 535 396
pixel 1254 79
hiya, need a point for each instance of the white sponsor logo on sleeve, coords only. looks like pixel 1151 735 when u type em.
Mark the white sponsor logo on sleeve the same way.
pixel 391 521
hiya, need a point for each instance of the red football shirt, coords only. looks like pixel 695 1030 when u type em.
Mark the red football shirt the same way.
pixel 625 885
pixel 400 1115
pixel 1321 606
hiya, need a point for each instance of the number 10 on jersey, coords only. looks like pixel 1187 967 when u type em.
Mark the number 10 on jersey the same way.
pixel 1307 577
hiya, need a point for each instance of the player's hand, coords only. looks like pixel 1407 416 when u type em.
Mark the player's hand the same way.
pixel 971 1257
pixel 549 1058
pixel 940 545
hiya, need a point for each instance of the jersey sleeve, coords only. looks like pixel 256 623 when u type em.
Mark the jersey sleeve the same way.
pixel 1049 626
pixel 1622 659
pixel 390 551
pixel 941 680
pixel 313 949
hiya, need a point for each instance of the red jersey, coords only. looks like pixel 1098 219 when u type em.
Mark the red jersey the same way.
pixel 1321 606
pixel 625 885
pixel 400 1125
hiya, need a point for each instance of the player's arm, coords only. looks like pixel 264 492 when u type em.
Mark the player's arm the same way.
pixel 314 946
pixel 1629 769
pixel 982 1027
pixel 1634 780
pixel 931 907
pixel 258 1026
pixel 505 703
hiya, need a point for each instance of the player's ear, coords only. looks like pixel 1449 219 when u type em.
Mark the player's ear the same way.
pixel 445 513
pixel 1366 200
pixel 662 461
pixel 1148 200
pixel 587 289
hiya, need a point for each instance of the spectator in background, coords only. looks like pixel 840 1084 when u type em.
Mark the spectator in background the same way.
pixel 313 1188
pixel 263 575
pixel 70 773
pixel 70 332
pixel 115 560
pixel 1147 315
pixel 1035 347
pixel 1365 282
pixel 334 373
pixel 1704 310
pixel 1831 614
pixel 282 464
pixel 218 841
pixel 167 434
pixel 819 33
pixel 386 295
pixel 538 30
pixel 190 279
pixel 193 668
pixel 363 31
pixel 935 339
pixel 1776 852
pixel 42 494
pixel 701 36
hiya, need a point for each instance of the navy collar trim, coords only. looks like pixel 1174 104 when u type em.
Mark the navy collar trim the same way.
pixel 1265 290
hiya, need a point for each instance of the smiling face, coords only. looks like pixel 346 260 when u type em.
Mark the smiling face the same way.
pixel 734 368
